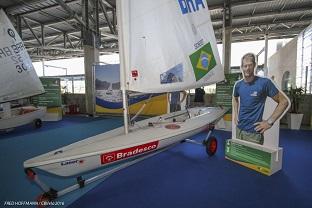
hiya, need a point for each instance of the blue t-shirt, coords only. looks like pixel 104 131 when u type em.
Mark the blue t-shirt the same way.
pixel 252 100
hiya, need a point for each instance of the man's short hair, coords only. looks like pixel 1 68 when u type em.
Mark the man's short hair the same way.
pixel 249 55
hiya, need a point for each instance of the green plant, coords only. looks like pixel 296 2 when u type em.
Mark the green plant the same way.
pixel 296 97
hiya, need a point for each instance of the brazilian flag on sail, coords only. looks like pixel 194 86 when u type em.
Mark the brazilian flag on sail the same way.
pixel 203 61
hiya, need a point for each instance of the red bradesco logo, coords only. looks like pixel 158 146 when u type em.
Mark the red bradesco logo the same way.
pixel 128 152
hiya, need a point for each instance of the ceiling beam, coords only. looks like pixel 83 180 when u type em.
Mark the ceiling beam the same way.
pixel 239 3
pixel 72 13
pixel 50 27
pixel 273 13
pixel 32 31
pixel 70 32
pixel 13 10
pixel 104 10
pixel 52 24
pixel 269 13
pixel 216 27
pixel 49 24
pixel 306 20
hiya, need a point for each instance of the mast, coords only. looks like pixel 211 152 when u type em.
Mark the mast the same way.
pixel 122 65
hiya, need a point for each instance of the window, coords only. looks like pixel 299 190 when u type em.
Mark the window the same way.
pixel 304 60
pixel 286 84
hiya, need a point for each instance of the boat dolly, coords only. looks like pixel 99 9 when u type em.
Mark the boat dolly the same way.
pixel 50 194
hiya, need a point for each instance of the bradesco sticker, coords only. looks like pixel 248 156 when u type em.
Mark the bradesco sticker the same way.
pixel 128 152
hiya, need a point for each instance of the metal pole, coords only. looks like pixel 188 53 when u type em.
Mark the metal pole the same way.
pixel 43 68
pixel 122 67
pixel 266 55
pixel 306 79
pixel 73 85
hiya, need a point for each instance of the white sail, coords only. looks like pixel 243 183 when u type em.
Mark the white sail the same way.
pixel 18 79
pixel 167 45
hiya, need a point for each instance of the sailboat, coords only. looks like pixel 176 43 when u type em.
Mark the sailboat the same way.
pixel 164 46
pixel 18 79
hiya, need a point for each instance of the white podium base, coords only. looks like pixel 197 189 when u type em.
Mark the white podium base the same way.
pixel 53 114
pixel 256 157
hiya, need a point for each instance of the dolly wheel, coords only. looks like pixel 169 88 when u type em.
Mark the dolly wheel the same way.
pixel 30 174
pixel 46 197
pixel 37 123
pixel 42 200
pixel 211 145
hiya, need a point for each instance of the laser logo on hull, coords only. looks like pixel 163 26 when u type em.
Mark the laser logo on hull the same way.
pixel 69 162
pixel 128 152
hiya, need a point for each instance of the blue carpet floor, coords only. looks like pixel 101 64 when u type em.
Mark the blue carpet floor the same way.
pixel 26 142
pixel 181 177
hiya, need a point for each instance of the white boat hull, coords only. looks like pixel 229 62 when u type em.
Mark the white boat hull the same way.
pixel 114 146
pixel 21 116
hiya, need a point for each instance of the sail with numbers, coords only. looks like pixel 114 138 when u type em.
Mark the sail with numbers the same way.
pixel 18 78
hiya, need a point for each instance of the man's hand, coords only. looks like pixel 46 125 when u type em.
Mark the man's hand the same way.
pixel 262 126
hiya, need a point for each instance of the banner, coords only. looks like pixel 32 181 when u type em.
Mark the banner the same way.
pixel 224 90
pixel 108 96
pixel 52 95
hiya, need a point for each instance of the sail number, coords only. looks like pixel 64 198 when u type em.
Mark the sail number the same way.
pixel 14 52
pixel 20 68
pixel 18 61
pixel 199 44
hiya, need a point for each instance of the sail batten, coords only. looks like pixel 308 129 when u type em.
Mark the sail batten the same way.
pixel 18 78
pixel 168 45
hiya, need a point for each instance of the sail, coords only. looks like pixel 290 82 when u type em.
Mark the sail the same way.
pixel 167 45
pixel 18 79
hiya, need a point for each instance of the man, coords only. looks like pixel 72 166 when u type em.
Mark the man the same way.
pixel 175 100
pixel 249 97
pixel 199 97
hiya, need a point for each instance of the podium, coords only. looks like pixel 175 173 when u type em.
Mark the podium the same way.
pixel 267 158
pixel 256 157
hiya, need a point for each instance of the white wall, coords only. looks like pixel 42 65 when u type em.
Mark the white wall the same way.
pixel 285 59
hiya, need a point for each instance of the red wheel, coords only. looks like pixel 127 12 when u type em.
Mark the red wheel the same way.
pixel 30 174
pixel 42 201
pixel 211 145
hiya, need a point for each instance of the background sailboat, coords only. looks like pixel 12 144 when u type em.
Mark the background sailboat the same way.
pixel 158 40
pixel 18 79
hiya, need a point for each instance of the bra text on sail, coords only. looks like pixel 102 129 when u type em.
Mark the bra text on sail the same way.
pixel 188 6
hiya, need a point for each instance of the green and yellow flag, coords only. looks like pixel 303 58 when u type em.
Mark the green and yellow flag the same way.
pixel 202 61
